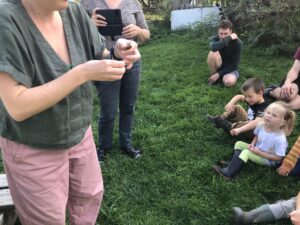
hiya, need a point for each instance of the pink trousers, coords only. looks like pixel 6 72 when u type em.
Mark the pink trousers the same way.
pixel 43 183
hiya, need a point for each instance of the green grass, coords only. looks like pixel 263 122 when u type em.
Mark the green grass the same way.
pixel 173 183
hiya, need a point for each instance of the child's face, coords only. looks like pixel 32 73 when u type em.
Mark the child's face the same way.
pixel 273 118
pixel 251 97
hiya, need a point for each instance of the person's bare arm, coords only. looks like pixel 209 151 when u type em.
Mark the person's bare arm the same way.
pixel 237 98
pixel 292 75
pixel 265 155
pixel 249 126
pixel 132 31
pixel 293 72
pixel 22 102
pixel 143 35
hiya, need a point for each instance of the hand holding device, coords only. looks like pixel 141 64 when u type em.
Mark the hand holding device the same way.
pixel 98 20
pixel 113 19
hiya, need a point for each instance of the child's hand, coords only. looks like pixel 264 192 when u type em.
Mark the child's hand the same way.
pixel 235 132
pixel 250 146
pixel 254 149
pixel 295 217
pixel 282 171
pixel 229 107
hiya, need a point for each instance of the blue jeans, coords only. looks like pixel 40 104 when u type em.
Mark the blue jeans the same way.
pixel 122 93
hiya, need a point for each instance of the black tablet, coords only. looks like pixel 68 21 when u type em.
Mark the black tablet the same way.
pixel 114 22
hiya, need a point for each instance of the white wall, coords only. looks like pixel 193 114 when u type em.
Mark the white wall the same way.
pixel 187 17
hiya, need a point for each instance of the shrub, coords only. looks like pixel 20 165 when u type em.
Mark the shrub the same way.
pixel 267 23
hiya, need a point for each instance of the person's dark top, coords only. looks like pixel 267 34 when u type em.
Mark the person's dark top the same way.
pixel 257 110
pixel 230 51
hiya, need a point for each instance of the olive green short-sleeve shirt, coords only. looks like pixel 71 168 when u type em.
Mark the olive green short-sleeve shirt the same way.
pixel 29 59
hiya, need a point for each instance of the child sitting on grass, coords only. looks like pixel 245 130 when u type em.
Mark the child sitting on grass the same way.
pixel 235 119
pixel 269 144
pixel 270 212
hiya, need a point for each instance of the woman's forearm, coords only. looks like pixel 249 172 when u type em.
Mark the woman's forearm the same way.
pixel 143 35
pixel 22 102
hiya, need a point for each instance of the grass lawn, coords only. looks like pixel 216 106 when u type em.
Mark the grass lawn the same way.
pixel 173 183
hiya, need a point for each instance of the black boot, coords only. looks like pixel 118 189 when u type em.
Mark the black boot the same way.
pixel 212 119
pixel 223 123
pixel 262 214
pixel 101 152
pixel 220 122
pixel 229 172
pixel 225 163
pixel 132 152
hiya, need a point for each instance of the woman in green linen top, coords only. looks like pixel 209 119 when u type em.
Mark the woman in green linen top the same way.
pixel 50 53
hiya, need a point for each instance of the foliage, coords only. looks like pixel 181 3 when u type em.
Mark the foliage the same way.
pixel 165 11
pixel 267 23
pixel 160 23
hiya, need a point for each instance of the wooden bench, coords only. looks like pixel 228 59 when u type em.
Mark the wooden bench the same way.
pixel 7 209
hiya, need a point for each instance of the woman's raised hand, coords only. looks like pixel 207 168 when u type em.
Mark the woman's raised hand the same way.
pixel 128 51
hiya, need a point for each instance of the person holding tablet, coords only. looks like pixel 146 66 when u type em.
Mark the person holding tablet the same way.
pixel 122 93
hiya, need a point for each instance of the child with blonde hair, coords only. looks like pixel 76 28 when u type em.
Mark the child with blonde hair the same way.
pixel 269 145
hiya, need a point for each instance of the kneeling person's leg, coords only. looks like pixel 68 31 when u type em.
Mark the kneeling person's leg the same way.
pixel 214 61
pixel 294 104
pixel 230 78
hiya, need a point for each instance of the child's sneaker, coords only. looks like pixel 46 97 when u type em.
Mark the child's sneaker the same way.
pixel 222 123
pixel 211 118
pixel 219 122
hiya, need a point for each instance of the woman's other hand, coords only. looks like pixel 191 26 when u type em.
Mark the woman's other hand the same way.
pixel 128 51
pixel 131 31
